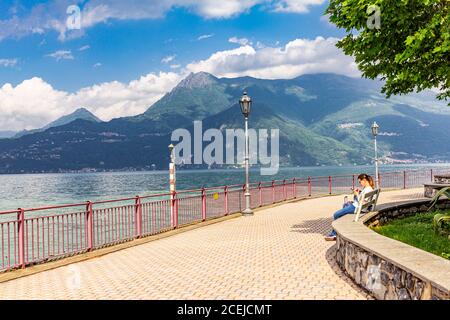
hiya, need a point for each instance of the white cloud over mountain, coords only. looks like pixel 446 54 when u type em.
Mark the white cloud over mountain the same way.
pixel 52 15
pixel 33 103
pixel 300 56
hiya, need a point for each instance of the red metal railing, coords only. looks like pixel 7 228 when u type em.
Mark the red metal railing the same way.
pixel 37 235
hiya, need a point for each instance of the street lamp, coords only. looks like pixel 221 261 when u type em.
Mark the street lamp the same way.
pixel 246 105
pixel 375 128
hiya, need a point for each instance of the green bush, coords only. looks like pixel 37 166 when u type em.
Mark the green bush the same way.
pixel 441 221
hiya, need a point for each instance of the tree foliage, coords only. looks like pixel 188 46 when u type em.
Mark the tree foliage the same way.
pixel 410 49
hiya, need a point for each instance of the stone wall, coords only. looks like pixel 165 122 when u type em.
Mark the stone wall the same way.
pixel 384 278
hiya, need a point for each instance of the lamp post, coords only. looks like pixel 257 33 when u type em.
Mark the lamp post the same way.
pixel 375 128
pixel 246 104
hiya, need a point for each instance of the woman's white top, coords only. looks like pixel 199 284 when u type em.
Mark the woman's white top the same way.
pixel 365 191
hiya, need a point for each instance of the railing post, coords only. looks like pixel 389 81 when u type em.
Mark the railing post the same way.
pixel 431 175
pixel 309 187
pixel 294 187
pixel 89 223
pixel 138 217
pixel 177 202
pixel 273 191
pixel 203 204
pixel 330 184
pixel 284 190
pixel 260 194
pixel 404 179
pixel 242 196
pixel 353 182
pixel 174 209
pixel 21 235
pixel 226 200
pixel 379 180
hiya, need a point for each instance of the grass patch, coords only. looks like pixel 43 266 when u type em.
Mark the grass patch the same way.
pixel 417 231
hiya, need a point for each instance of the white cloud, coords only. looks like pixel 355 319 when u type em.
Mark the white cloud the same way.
pixel 326 19
pixel 52 16
pixel 241 41
pixel 61 55
pixel 8 62
pixel 260 45
pixel 205 36
pixel 34 103
pixel 97 65
pixel 295 6
pixel 84 48
pixel 168 59
pixel 300 56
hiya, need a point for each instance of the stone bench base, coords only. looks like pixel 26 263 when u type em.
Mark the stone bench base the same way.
pixel 389 269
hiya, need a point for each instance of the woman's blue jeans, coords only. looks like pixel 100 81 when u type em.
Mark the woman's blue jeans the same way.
pixel 348 208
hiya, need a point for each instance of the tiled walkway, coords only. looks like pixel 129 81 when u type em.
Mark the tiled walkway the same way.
pixel 277 254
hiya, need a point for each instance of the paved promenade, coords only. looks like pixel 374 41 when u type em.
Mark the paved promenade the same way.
pixel 277 254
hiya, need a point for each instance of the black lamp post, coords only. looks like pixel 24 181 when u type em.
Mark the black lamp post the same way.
pixel 246 105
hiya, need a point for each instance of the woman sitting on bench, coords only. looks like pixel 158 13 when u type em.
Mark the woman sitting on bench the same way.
pixel 368 185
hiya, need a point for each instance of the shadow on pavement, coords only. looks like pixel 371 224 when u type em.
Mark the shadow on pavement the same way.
pixel 318 226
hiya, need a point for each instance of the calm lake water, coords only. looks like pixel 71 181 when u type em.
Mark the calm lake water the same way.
pixel 33 190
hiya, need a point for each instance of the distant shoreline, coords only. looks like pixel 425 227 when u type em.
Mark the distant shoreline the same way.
pixel 186 170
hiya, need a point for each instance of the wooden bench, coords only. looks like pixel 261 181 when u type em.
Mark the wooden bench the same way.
pixel 367 204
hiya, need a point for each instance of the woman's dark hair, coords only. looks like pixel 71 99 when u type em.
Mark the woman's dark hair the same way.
pixel 364 176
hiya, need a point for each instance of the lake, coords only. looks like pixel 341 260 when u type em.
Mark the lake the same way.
pixel 33 190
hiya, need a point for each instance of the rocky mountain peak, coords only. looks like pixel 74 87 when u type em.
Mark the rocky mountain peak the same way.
pixel 197 80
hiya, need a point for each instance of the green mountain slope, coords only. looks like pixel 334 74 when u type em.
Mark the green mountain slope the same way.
pixel 323 119
pixel 79 114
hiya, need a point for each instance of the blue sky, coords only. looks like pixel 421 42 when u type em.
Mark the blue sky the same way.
pixel 126 50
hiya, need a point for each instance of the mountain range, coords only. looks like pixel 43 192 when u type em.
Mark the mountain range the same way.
pixel 80 113
pixel 324 119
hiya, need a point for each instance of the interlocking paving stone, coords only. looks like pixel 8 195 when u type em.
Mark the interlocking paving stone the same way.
pixel 279 253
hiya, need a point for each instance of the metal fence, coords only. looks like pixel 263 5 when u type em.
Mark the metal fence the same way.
pixel 38 235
